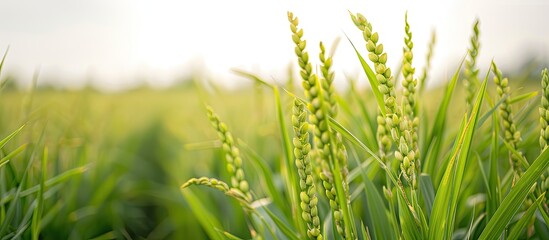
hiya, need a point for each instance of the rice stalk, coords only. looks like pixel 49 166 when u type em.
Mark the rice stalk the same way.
pixel 544 110
pixel 408 148
pixel 471 81
pixel 221 186
pixel 325 142
pixel 232 155
pixel 330 99
pixel 302 148
pixel 511 134
pixel 386 84
pixel 544 131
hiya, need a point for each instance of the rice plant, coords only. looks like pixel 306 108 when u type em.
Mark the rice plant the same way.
pixel 389 170
pixel 388 161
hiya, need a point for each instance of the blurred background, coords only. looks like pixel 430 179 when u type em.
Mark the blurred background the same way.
pixel 115 90
pixel 118 45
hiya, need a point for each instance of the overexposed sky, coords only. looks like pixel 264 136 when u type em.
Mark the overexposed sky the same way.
pixel 114 44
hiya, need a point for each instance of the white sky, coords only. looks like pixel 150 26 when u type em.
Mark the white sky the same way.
pixel 116 43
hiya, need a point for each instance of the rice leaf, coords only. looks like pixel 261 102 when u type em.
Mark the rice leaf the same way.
pixel 292 184
pixel 512 202
pixel 349 136
pixel 38 211
pixel 444 208
pixel 284 228
pixel 524 220
pixel 439 125
pixel 427 191
pixel 494 189
pixel 12 154
pixel 4 58
pixel 364 231
pixel 9 137
pixel 371 78
pixel 474 225
pixel 266 175
pixel 523 97
pixel 204 216
pixel 376 209
pixel 408 223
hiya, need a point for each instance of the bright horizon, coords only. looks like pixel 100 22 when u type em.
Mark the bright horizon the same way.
pixel 115 44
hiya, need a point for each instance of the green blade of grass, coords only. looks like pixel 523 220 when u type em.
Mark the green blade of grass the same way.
pixel 493 188
pixel 266 175
pixel 524 220
pixel 365 233
pixel 542 211
pixel 474 226
pixel 371 78
pixel 12 154
pixel 10 214
pixel 228 235
pixel 439 125
pixel 9 137
pixel 37 215
pixel 369 131
pixel 291 184
pixel 204 216
pixel 408 222
pixel 515 153
pixel 376 209
pixel 349 136
pixel 515 197
pixel 285 229
pixel 253 77
pixel 523 97
pixel 427 191
pixel 4 58
pixel 493 109
pixel 65 176
pixel 444 208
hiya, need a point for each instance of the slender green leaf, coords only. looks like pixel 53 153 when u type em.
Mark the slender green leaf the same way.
pixel 474 225
pixel 253 77
pixel 63 177
pixel 515 197
pixel 12 154
pixel 524 220
pixel 542 211
pixel 365 233
pixel 494 189
pixel 523 97
pixel 4 58
pixel 292 184
pixel 427 191
pixel 266 175
pixel 408 222
pixel 349 136
pixel 444 208
pixel 376 209
pixel 10 214
pixel 439 125
pixel 515 153
pixel 229 235
pixel 37 215
pixel 9 137
pixel 491 110
pixel 105 236
pixel 371 78
pixel 204 216
pixel 286 230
